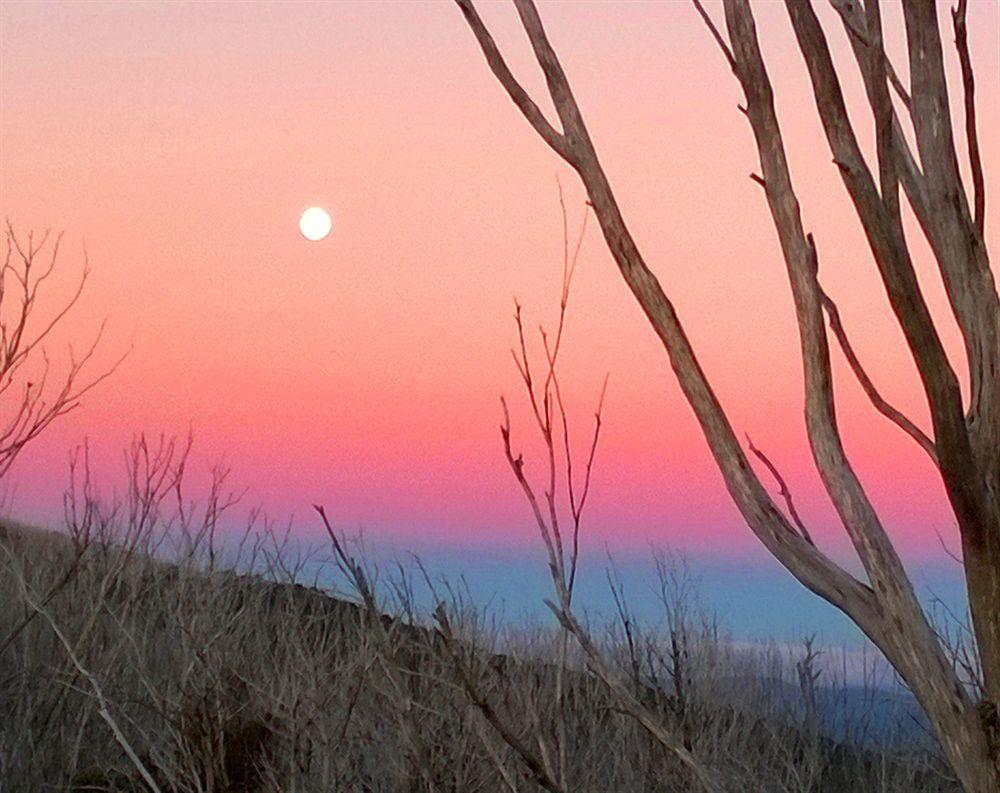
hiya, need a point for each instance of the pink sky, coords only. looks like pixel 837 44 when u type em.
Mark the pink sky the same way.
pixel 181 141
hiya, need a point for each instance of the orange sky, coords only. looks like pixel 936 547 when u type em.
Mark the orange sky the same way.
pixel 181 141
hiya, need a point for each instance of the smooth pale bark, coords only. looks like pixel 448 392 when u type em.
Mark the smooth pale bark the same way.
pixel 965 445
pixel 956 239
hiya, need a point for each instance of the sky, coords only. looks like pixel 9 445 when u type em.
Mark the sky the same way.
pixel 180 142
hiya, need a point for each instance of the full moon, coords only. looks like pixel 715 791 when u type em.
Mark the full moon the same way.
pixel 315 224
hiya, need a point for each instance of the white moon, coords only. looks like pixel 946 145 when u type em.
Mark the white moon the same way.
pixel 315 224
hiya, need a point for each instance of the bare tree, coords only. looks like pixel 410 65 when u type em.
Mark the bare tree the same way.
pixel 965 439
pixel 30 396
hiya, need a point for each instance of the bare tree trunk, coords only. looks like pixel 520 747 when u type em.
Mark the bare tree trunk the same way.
pixel 966 443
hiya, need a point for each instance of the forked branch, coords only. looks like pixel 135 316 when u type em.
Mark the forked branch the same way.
pixel 503 74
pixel 812 568
pixel 888 611
pixel 894 415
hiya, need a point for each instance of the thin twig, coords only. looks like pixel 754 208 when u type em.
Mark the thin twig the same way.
pixel 783 491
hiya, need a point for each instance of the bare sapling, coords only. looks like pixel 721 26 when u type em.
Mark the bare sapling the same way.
pixel 558 507
pixel 32 394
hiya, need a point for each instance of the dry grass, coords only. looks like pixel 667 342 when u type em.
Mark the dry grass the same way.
pixel 132 658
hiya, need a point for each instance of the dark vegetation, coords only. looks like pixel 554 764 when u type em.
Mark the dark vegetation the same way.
pixel 134 658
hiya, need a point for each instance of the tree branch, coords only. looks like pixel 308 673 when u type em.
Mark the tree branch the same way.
pixel 880 404
pixel 958 15
pixel 783 491
pixel 520 97
pixel 814 570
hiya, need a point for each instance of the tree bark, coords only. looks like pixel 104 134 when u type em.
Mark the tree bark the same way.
pixel 965 446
